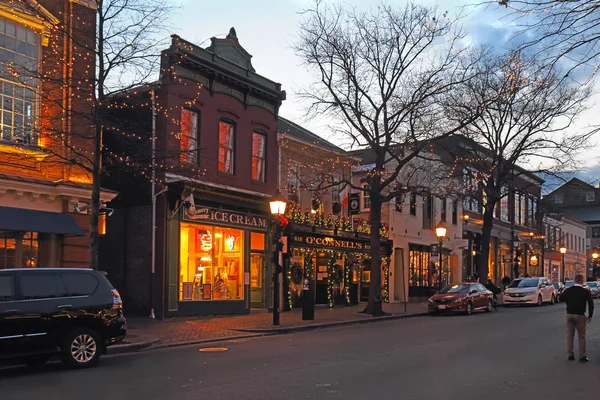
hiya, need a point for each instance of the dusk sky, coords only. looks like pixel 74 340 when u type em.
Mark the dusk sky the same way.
pixel 267 30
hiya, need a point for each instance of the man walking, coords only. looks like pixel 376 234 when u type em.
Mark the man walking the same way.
pixel 576 297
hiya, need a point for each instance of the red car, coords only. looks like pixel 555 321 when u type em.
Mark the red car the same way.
pixel 463 297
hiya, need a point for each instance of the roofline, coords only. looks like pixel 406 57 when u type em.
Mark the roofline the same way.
pixel 333 148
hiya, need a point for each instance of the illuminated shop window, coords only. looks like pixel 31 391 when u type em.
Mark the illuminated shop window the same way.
pixel 211 263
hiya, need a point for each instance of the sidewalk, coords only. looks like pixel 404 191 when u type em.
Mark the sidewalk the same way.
pixel 145 332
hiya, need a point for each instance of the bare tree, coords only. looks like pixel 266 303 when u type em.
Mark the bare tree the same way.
pixel 561 29
pixel 525 128
pixel 119 52
pixel 383 76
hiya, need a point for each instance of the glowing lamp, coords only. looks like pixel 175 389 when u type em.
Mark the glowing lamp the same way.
pixel 440 231
pixel 563 249
pixel 277 204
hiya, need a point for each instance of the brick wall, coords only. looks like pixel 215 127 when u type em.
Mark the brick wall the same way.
pixel 125 254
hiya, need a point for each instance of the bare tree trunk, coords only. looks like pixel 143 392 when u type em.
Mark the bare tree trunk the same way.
pixel 95 198
pixel 375 302
pixel 484 256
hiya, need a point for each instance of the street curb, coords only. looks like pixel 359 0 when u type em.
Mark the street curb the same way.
pixel 202 341
pixel 131 347
pixel 155 344
pixel 303 328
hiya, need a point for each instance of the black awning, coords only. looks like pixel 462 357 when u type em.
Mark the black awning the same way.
pixel 23 220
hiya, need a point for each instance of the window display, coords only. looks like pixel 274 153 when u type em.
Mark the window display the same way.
pixel 211 263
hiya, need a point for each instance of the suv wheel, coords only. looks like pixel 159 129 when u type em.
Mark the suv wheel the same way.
pixel 80 348
pixel 553 300
pixel 540 301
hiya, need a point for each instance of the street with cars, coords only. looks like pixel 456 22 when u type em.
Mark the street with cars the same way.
pixel 514 353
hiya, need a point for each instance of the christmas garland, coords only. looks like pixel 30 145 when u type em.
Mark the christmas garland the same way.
pixel 297 273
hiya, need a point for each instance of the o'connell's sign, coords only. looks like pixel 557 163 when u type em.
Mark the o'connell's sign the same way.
pixel 300 239
pixel 213 215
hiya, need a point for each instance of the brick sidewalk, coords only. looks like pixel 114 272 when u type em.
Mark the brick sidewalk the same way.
pixel 189 329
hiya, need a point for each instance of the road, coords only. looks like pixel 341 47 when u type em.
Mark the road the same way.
pixel 510 354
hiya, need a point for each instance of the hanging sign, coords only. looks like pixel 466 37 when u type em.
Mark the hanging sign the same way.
pixel 353 203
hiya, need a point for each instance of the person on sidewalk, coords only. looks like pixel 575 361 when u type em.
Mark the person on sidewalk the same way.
pixel 495 291
pixel 576 298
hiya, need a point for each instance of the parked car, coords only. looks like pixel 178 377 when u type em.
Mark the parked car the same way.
pixel 559 287
pixel 73 313
pixel 594 288
pixel 530 291
pixel 461 297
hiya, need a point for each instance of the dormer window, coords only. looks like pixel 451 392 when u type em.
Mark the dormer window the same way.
pixel 590 196
pixel 558 198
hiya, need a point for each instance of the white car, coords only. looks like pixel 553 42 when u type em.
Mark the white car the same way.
pixel 530 291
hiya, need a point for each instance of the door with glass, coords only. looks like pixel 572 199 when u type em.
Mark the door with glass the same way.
pixel 257 267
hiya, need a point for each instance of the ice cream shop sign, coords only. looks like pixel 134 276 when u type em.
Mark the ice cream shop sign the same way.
pixel 208 214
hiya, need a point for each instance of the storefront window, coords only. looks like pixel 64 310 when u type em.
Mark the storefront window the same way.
pixel 30 250
pixel 419 267
pixel 18 250
pixel 8 250
pixel 211 263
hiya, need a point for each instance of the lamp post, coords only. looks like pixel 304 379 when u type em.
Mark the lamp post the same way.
pixel 563 251
pixel 277 205
pixel 440 232
pixel 595 256
pixel 516 242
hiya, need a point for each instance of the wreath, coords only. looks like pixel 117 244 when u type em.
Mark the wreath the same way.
pixel 297 274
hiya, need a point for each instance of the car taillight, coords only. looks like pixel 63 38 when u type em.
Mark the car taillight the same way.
pixel 117 302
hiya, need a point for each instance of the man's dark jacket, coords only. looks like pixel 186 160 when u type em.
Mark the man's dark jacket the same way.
pixel 576 297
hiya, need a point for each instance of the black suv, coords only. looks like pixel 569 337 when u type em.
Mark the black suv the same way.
pixel 75 313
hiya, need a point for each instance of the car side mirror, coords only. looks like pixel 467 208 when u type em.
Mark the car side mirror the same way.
pixel 473 292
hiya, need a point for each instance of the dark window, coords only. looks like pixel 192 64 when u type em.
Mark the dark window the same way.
pixel 596 232
pixel 443 211
pixel 80 284
pixel 454 212
pixel 413 204
pixel 7 288
pixel 38 286
pixel 428 212
pixel 399 203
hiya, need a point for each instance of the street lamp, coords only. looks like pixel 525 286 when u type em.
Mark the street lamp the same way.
pixel 440 232
pixel 563 250
pixel 277 205
pixel 516 243
pixel 465 218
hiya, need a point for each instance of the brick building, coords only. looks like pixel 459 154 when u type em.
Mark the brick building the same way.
pixel 579 201
pixel 215 135
pixel 46 79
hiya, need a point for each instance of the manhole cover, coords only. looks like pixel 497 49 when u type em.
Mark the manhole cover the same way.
pixel 213 349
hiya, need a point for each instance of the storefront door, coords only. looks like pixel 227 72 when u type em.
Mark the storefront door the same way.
pixel 322 288
pixel 257 262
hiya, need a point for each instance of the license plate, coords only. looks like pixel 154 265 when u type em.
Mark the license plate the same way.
pixel 442 307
